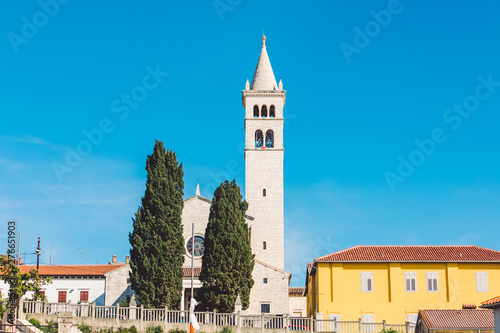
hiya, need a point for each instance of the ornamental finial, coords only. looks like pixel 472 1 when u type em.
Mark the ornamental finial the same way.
pixel 263 40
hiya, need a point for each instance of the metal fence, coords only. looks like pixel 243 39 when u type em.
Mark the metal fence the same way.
pixel 240 321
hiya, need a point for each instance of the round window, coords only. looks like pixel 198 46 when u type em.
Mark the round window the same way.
pixel 197 247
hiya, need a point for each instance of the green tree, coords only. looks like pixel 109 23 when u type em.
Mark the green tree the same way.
pixel 156 256
pixel 19 284
pixel 227 262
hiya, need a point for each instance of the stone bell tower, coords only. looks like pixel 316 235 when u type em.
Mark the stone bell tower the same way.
pixel 263 101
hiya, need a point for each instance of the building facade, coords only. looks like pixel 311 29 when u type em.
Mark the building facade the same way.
pixel 101 284
pixel 263 101
pixel 393 283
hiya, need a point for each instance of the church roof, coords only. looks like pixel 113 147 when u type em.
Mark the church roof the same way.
pixel 263 78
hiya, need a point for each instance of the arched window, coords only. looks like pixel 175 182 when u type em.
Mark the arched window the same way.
pixel 272 112
pixel 263 113
pixel 256 111
pixel 269 139
pixel 259 139
pixel 264 192
pixel 264 245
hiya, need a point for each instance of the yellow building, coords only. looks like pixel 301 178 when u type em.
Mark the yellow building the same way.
pixel 391 283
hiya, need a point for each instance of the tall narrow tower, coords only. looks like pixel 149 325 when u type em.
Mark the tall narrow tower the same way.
pixel 263 101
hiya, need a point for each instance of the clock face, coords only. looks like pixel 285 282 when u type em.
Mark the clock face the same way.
pixel 197 247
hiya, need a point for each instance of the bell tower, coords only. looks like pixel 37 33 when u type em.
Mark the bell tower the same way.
pixel 263 101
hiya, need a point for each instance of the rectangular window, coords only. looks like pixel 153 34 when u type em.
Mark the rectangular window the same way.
pixel 265 280
pixel 366 281
pixel 265 308
pixel 412 318
pixel 61 296
pixel 368 319
pixel 432 281
pixel 84 296
pixel 482 282
pixel 410 281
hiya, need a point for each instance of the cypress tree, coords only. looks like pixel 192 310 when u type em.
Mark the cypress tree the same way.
pixel 227 262
pixel 156 256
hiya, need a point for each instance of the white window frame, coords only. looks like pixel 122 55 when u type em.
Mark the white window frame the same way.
pixel 411 282
pixel 431 276
pixel 367 282
pixel 412 318
pixel 482 282
pixel 368 321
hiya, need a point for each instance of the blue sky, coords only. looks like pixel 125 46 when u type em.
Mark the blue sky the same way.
pixel 391 132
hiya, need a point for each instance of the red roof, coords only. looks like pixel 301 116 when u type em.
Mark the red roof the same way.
pixel 458 319
pixel 71 270
pixel 493 302
pixel 296 291
pixel 449 253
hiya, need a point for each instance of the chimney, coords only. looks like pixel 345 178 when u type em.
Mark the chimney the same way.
pixel 127 259
pixel 115 258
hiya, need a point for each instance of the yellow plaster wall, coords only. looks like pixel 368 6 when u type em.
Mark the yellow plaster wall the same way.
pixel 339 289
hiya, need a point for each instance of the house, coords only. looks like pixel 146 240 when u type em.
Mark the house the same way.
pixel 494 303
pixel 297 302
pixel 458 321
pixel 393 283
pixel 101 284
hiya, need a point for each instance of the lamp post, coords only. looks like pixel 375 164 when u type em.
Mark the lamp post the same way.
pixel 38 251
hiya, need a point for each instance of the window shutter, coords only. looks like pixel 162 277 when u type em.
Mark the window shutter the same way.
pixel 485 281
pixel 363 281
pixel 478 281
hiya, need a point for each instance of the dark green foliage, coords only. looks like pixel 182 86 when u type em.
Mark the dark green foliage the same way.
pixel 227 263
pixel 84 328
pixel 154 329
pixel 226 330
pixel 19 284
pixel 176 330
pixel 156 256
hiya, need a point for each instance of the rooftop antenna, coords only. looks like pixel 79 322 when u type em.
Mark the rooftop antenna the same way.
pixel 81 256
pixel 50 258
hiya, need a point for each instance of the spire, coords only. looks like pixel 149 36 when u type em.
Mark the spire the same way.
pixel 198 189
pixel 263 78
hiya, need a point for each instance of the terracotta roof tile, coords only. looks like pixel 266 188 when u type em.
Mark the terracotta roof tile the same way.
pixel 450 253
pixel 296 291
pixel 458 319
pixel 493 301
pixel 71 270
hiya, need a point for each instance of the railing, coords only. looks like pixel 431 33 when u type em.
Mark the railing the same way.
pixel 240 321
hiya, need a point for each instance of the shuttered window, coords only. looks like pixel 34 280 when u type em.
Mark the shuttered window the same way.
pixel 366 282
pixel 482 282
pixel 61 296
pixel 84 296
pixel 410 281
pixel 412 318
pixel 367 320
pixel 432 281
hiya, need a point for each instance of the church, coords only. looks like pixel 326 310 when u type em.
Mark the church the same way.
pixel 263 101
